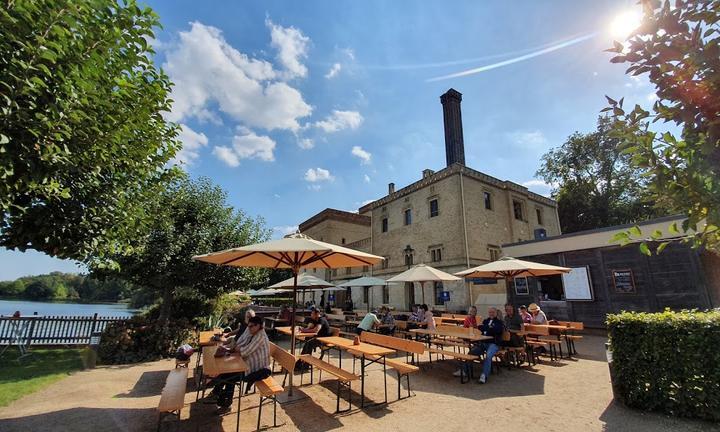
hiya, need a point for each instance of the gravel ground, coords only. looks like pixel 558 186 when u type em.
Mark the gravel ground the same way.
pixel 568 395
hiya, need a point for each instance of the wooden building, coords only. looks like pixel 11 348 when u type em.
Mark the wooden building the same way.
pixel 609 278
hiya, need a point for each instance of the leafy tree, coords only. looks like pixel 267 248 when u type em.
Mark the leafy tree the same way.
pixel 677 47
pixel 596 183
pixel 83 144
pixel 39 290
pixel 192 218
pixel 12 288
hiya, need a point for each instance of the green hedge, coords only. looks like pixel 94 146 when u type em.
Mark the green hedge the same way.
pixel 668 361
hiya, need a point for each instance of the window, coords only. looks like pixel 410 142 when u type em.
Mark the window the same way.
pixel 343 240
pixel 366 269
pixel 385 263
pixel 518 210
pixel 488 200
pixel 408 259
pixel 366 292
pixel 347 270
pixel 437 292
pixel 384 225
pixel 434 208
pixel 408 216
pixel 494 253
pixel 385 294
pixel 539 214
pixel 436 254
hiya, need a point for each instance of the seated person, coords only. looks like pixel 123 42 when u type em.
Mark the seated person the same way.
pixel 538 316
pixel 491 326
pixel 243 324
pixel 428 320
pixel 368 322
pixel 285 314
pixel 319 327
pixel 471 318
pixel 388 320
pixel 525 315
pixel 255 350
pixel 513 324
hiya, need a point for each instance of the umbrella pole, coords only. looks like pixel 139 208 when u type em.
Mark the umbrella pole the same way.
pixel 422 290
pixel 292 329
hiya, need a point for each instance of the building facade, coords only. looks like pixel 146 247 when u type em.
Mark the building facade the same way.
pixel 608 278
pixel 451 219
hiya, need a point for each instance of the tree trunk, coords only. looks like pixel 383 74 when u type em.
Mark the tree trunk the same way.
pixel 166 305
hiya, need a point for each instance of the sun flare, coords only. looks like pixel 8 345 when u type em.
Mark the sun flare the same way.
pixel 624 24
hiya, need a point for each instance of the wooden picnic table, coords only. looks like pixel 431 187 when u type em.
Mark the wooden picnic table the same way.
pixel 369 354
pixel 215 366
pixel 470 335
pixel 298 334
pixel 454 320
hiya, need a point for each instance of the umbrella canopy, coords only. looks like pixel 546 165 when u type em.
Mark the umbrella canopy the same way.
pixel 265 292
pixel 295 251
pixel 237 293
pixel 304 281
pixel 365 281
pixel 334 288
pixel 509 267
pixel 423 273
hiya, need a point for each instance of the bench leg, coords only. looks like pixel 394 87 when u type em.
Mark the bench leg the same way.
pixel 274 411
pixel 237 426
pixel 262 399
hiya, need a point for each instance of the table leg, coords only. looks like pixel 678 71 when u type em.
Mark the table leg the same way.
pixel 362 381
pixel 385 376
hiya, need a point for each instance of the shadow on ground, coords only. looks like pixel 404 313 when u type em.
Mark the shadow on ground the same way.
pixel 620 418
pixel 84 419
pixel 149 384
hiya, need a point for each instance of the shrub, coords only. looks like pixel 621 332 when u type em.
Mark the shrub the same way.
pixel 141 339
pixel 667 361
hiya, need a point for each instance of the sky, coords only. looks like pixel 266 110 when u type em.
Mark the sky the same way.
pixel 294 107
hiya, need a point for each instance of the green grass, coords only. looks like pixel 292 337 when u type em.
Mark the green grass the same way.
pixel 42 368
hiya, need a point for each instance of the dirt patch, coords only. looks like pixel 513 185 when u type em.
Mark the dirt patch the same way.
pixel 566 396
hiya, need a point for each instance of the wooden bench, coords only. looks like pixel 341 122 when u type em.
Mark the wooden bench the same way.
pixel 571 338
pixel 172 398
pixel 268 387
pixel 410 347
pixel 534 340
pixel 343 377
pixel 463 358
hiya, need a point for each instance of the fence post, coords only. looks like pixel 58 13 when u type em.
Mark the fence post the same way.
pixel 30 332
pixel 94 321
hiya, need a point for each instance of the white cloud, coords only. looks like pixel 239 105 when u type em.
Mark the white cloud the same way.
pixel 284 230
pixel 364 155
pixel 207 70
pixel 652 97
pixel 531 139
pixel 227 155
pixel 366 202
pixel 540 187
pixel 246 146
pixel 292 48
pixel 334 71
pixel 251 146
pixel 314 175
pixel 340 120
pixel 349 53
pixel 192 143
pixel 306 143
pixel 366 178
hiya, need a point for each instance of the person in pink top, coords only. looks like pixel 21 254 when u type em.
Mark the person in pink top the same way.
pixel 525 315
pixel 471 318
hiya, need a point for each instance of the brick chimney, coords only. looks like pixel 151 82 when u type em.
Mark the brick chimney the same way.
pixel 454 144
pixel 391 188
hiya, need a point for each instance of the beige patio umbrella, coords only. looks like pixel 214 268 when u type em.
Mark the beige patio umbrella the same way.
pixel 509 268
pixel 295 251
pixel 305 282
pixel 365 281
pixel 423 273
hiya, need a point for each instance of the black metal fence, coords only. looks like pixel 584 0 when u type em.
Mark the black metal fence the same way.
pixel 52 330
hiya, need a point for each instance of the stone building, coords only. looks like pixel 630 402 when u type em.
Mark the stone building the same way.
pixel 451 219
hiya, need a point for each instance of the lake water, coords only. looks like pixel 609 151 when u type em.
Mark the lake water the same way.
pixel 8 307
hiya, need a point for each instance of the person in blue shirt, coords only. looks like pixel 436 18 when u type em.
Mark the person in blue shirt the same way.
pixel 491 326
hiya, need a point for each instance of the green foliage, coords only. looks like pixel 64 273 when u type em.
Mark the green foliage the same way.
pixel 42 368
pixel 191 218
pixel 668 361
pixel 596 184
pixel 678 47
pixel 141 339
pixel 83 144
pixel 64 286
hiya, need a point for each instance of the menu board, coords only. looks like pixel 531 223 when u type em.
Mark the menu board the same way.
pixel 577 284
pixel 521 286
pixel 623 281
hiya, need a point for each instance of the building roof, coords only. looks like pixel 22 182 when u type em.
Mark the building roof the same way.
pixel 452 170
pixel 333 214
pixel 589 239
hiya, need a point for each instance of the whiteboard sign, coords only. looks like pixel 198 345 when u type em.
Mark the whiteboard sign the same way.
pixel 577 284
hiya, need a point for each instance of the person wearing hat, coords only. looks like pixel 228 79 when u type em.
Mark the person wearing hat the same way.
pixel 538 316
pixel 369 321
